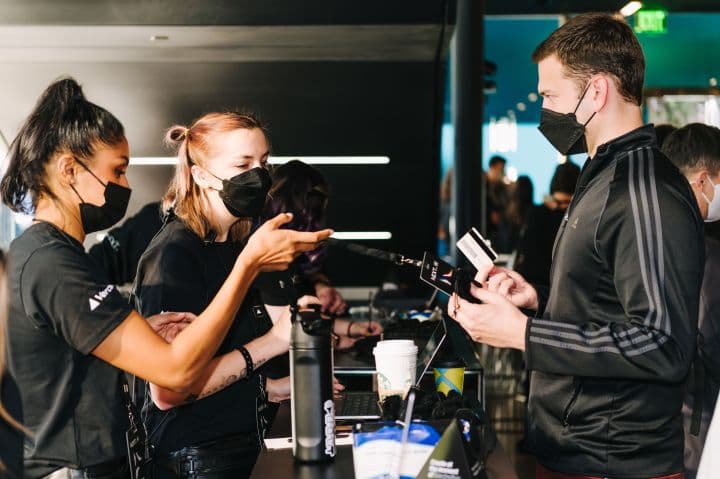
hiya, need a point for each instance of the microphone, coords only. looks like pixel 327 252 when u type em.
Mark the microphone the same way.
pixel 382 255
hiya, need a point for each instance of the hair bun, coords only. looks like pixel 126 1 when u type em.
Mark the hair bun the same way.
pixel 176 134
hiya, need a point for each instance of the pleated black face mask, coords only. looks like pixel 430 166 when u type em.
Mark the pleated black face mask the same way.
pixel 563 131
pixel 96 218
pixel 244 195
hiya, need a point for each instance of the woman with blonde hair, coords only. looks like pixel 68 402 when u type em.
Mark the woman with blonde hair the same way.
pixel 219 189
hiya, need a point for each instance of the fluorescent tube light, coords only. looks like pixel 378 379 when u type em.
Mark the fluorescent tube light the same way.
pixel 362 235
pixel 630 8
pixel 279 160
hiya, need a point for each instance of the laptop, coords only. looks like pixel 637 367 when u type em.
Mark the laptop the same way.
pixel 361 405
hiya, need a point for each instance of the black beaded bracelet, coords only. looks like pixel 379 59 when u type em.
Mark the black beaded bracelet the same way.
pixel 249 366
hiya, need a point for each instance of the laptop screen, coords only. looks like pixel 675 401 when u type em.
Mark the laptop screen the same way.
pixel 426 356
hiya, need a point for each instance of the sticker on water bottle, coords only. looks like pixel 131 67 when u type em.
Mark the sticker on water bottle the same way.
pixel 329 408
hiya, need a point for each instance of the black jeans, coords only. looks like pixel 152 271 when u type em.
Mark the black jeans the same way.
pixel 232 457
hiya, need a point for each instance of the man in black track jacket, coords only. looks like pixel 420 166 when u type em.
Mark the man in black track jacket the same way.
pixel 614 336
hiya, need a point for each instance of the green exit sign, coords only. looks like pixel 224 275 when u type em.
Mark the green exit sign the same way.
pixel 651 21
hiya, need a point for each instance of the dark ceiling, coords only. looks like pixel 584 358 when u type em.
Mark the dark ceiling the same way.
pixel 291 12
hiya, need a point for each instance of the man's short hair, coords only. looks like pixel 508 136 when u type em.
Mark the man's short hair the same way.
pixel 495 160
pixel 594 43
pixel 694 147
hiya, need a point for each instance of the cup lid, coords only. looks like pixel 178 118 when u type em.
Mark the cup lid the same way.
pixel 395 342
pixel 396 346
pixel 448 363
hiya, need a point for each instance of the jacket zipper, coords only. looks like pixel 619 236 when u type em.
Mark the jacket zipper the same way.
pixel 563 225
pixel 571 403
pixel 560 234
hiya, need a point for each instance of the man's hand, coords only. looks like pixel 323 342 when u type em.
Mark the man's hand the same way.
pixel 331 301
pixel 508 284
pixel 497 322
pixel 169 325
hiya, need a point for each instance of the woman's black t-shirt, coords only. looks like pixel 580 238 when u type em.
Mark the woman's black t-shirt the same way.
pixel 61 308
pixel 11 440
pixel 181 272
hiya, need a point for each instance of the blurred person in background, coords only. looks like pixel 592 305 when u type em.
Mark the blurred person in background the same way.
pixel 517 212
pixel 534 251
pixel 445 213
pixel 497 197
pixel 121 248
pixel 695 150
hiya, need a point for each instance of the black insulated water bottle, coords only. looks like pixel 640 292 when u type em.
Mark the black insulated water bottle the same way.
pixel 311 373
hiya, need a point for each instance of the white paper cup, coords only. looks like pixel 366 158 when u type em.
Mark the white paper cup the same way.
pixel 395 363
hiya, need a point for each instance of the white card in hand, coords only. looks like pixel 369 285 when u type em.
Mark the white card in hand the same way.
pixel 477 250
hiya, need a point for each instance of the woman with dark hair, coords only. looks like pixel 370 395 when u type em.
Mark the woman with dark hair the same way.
pixel 71 334
pixel 300 189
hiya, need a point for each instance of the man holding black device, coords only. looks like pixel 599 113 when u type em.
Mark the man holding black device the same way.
pixel 614 336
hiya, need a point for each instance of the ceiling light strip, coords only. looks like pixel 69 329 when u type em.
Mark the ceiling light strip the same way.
pixel 280 160
pixel 362 235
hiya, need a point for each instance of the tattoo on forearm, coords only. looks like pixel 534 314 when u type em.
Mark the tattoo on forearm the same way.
pixel 232 378
pixel 225 383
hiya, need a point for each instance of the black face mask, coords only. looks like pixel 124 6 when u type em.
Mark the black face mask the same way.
pixel 96 218
pixel 244 194
pixel 563 131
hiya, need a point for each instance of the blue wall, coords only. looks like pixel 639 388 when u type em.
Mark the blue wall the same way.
pixel 535 156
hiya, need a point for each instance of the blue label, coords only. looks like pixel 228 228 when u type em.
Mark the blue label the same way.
pixel 419 434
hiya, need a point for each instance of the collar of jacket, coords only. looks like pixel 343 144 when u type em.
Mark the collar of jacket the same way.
pixel 639 137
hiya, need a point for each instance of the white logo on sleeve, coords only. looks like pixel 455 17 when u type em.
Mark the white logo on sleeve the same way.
pixel 100 296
